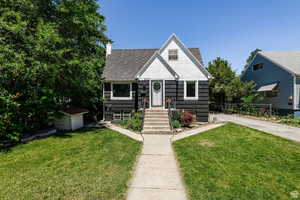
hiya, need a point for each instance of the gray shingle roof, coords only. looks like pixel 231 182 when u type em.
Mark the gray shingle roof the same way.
pixel 124 64
pixel 290 60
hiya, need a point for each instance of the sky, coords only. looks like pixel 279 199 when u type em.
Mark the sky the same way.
pixel 229 29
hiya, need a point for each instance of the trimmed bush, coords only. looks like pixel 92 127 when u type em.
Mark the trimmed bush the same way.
pixel 133 123
pixel 175 124
pixel 187 118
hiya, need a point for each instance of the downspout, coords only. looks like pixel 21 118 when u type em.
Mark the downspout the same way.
pixel 295 93
pixel 103 107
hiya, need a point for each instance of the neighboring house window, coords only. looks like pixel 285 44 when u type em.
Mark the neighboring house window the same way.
pixel 258 66
pixel 121 91
pixel 173 54
pixel 191 90
pixel 271 94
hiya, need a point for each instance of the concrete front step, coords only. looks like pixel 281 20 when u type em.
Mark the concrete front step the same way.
pixel 157 116
pixel 157 127
pixel 162 132
pixel 156 123
pixel 155 112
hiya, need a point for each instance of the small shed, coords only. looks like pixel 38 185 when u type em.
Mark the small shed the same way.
pixel 72 118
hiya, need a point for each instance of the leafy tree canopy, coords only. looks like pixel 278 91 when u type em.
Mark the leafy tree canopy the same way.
pixel 226 86
pixel 252 55
pixel 51 54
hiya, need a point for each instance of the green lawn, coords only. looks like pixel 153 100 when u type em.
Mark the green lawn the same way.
pixel 235 162
pixel 93 164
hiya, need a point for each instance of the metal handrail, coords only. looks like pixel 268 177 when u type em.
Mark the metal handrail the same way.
pixel 170 116
pixel 143 115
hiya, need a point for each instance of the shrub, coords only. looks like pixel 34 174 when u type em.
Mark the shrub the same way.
pixel 187 118
pixel 10 128
pixel 176 115
pixel 175 123
pixel 133 123
pixel 289 120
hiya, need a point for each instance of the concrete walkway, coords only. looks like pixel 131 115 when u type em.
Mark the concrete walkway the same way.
pixel 288 132
pixel 133 135
pixel 196 131
pixel 157 175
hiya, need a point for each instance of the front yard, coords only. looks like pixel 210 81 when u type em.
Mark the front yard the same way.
pixel 87 164
pixel 235 162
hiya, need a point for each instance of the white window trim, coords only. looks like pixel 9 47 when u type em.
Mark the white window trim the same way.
pixel 120 98
pixel 196 88
pixel 175 50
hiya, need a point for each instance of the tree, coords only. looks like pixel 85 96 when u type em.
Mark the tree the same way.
pixel 51 54
pixel 222 74
pixel 252 55
pixel 226 86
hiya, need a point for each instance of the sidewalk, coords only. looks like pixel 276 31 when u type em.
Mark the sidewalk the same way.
pixel 157 175
pixel 288 132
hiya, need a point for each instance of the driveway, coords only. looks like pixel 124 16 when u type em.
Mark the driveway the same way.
pixel 288 132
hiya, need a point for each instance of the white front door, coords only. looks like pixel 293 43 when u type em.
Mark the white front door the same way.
pixel 157 88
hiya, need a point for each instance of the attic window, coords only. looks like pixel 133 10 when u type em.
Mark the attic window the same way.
pixel 258 66
pixel 173 54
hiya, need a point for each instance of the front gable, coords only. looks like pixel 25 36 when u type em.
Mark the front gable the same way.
pixel 157 68
pixel 188 67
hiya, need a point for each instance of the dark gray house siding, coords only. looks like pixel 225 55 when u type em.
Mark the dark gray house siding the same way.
pixel 143 93
pixel 174 90
pixel 111 106
pixel 272 73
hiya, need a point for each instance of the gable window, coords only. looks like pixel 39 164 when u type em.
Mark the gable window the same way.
pixel 191 90
pixel 173 54
pixel 258 66
pixel 121 91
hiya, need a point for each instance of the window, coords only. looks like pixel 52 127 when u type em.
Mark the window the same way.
pixel 258 66
pixel 190 90
pixel 173 54
pixel 121 91
pixel 126 115
pixel 271 94
pixel 118 116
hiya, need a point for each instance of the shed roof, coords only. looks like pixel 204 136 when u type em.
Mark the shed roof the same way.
pixel 72 110
pixel 268 87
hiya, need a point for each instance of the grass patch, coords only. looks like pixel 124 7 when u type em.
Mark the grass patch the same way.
pixel 87 164
pixel 235 162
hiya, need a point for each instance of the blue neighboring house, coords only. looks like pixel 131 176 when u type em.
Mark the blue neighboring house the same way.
pixel 277 76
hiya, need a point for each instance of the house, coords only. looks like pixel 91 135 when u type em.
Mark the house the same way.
pixel 277 76
pixel 154 78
